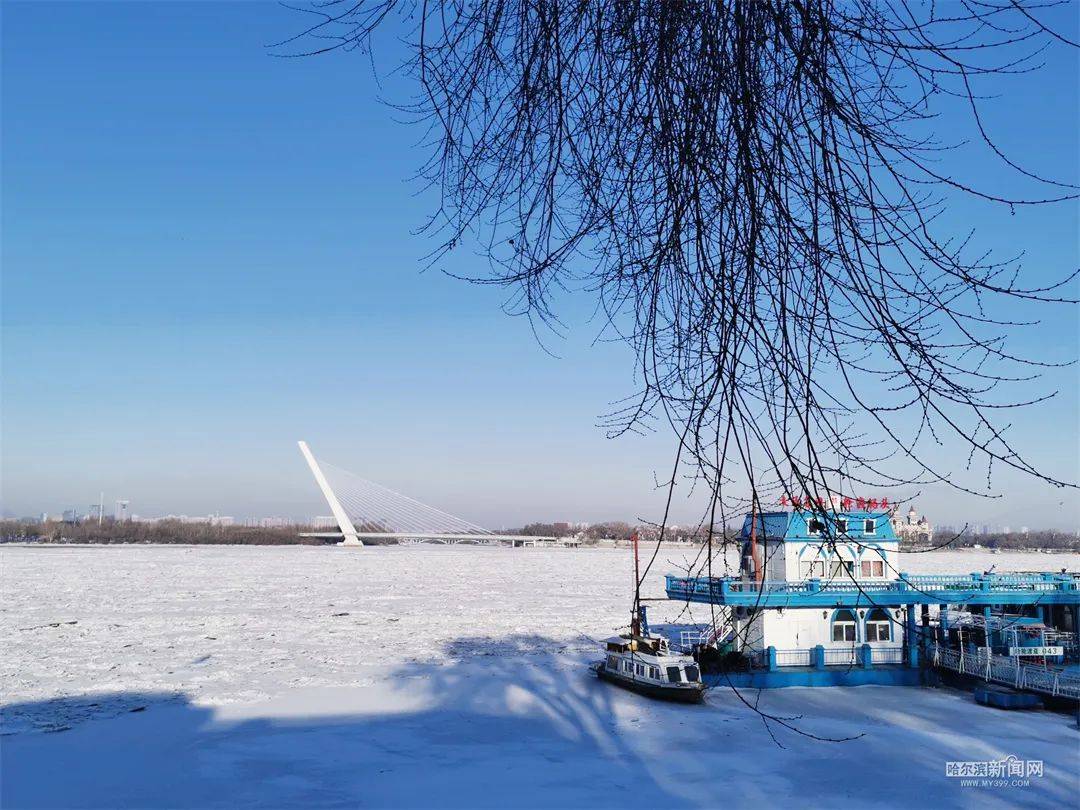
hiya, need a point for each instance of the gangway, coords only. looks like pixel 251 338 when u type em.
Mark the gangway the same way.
pixel 1006 670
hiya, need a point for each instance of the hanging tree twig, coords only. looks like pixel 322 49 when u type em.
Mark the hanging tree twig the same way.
pixel 753 190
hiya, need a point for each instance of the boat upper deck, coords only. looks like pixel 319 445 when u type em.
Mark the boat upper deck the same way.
pixel 978 589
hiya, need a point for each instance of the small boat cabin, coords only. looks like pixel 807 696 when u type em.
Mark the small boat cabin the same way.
pixel 647 665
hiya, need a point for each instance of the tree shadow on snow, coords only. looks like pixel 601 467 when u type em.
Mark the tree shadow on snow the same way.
pixel 502 722
pixel 519 722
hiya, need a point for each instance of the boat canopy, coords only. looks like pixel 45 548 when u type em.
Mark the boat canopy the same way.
pixel 641 644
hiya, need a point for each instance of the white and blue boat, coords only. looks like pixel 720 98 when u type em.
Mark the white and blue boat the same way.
pixel 648 666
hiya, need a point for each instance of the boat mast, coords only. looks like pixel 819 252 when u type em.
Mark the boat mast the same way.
pixel 635 619
pixel 753 541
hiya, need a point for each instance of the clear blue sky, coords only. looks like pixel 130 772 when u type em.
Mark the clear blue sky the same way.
pixel 209 253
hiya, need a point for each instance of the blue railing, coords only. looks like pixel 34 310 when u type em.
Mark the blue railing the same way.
pixel 907 589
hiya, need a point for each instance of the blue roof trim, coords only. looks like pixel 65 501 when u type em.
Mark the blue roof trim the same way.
pixel 770 525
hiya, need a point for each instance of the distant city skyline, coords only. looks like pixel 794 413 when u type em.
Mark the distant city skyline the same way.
pixel 210 253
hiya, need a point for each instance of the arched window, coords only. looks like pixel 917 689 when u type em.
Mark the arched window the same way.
pixel 878 626
pixel 843 626
pixel 811 566
pixel 842 564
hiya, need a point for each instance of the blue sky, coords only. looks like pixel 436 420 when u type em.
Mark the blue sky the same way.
pixel 209 253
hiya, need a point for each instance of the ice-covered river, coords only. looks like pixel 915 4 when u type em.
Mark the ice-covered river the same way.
pixel 254 634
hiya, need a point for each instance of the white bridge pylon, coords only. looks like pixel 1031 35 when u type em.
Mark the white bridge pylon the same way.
pixel 363 508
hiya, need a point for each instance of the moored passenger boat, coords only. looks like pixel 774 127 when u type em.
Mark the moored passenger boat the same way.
pixel 647 666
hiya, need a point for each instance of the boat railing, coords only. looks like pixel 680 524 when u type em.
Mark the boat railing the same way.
pixel 1061 638
pixel 794 658
pixel 689 639
pixel 886 655
pixel 987 583
pixel 841 656
pixel 982 663
pixel 833 657
pixel 718 585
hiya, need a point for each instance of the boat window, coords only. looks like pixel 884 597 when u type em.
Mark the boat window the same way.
pixel 841 568
pixel 873 568
pixel 869 526
pixel 815 568
pixel 841 525
pixel 879 568
pixel 815 526
pixel 640 669
pixel 626 665
pixel 654 672
pixel 674 675
pixel 878 625
pixel 691 673
pixel 843 627
pixel 612 662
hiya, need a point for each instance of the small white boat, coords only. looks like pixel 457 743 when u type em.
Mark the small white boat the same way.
pixel 647 665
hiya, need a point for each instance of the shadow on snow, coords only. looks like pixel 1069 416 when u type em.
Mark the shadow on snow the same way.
pixel 511 722
pixel 492 722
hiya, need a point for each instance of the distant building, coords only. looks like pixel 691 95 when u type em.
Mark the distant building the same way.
pixel 122 511
pixel 912 528
pixel 70 516
pixel 274 523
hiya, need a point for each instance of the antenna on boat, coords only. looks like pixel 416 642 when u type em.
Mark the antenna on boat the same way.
pixel 635 619
pixel 754 556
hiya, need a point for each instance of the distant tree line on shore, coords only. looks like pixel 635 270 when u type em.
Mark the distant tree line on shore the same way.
pixel 621 532
pixel 162 531
pixel 1050 539
pixel 616 530
pixel 185 533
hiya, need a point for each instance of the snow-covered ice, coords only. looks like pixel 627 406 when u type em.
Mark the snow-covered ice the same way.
pixel 435 676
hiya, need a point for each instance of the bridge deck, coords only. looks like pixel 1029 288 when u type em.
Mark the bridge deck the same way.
pixel 978 589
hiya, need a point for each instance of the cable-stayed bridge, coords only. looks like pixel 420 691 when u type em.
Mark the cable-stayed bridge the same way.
pixel 365 509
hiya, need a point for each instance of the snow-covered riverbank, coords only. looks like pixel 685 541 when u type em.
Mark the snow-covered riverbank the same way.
pixel 420 676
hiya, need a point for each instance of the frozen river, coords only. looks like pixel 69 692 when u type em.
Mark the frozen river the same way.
pixel 279 661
